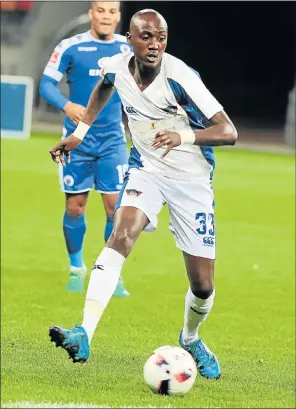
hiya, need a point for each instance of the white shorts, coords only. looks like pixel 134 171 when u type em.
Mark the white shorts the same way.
pixel 190 203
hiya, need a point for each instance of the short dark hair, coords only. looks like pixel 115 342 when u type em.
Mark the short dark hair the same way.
pixel 90 4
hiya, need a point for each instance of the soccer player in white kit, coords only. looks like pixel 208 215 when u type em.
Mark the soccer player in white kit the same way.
pixel 174 120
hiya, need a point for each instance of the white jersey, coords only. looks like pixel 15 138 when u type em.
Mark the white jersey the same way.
pixel 176 99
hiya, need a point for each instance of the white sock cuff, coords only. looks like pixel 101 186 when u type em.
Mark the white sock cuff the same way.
pixel 205 304
pixel 112 257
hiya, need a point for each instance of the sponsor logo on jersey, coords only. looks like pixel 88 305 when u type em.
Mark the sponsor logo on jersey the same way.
pixel 68 180
pixel 208 241
pixel 102 61
pixel 87 49
pixel 95 72
pixel 133 192
pixel 130 110
pixel 54 57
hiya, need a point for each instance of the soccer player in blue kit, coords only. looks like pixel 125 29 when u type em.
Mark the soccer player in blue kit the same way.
pixel 100 162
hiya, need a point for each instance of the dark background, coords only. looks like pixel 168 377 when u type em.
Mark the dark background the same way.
pixel 244 51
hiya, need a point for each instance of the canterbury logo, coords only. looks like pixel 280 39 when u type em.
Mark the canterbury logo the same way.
pixel 208 241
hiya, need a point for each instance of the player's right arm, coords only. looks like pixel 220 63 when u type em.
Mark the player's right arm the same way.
pixel 98 99
pixel 53 73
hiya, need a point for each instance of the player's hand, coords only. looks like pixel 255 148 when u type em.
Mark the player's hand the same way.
pixel 74 111
pixel 62 149
pixel 170 139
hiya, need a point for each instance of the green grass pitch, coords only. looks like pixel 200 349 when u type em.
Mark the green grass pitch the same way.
pixel 251 327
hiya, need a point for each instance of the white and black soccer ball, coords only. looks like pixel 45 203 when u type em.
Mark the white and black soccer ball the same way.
pixel 170 370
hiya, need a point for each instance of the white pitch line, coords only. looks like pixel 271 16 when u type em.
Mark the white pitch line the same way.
pixel 27 404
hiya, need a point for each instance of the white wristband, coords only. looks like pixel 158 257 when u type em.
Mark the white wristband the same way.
pixel 187 136
pixel 81 130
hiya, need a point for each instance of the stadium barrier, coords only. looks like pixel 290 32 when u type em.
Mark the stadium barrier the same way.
pixel 16 106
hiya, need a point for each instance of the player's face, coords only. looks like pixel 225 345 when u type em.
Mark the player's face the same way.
pixel 104 16
pixel 149 41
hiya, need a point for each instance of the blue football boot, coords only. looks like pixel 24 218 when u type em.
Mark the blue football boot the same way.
pixel 120 290
pixel 76 279
pixel 74 341
pixel 206 362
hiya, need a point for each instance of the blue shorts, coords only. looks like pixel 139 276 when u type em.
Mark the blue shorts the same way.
pixel 104 170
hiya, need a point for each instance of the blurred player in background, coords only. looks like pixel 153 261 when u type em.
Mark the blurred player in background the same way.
pixel 101 160
pixel 171 163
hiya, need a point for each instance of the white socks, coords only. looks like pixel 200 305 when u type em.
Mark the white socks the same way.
pixel 103 280
pixel 196 312
pixel 102 283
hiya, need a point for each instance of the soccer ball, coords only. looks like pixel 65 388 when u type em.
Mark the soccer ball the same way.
pixel 170 370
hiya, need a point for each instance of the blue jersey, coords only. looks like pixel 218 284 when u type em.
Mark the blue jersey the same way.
pixel 81 58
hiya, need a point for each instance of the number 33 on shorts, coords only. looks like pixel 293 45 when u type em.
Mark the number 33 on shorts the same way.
pixel 206 227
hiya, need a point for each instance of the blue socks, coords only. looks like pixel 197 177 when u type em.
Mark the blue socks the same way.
pixel 74 231
pixel 108 228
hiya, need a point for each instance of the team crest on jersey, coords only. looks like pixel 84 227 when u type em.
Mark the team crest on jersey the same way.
pixel 68 180
pixel 133 192
pixel 124 48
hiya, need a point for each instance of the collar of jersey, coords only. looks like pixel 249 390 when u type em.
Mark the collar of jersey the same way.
pixel 129 56
pixel 100 41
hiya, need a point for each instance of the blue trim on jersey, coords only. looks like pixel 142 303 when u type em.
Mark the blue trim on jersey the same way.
pixel 197 120
pixel 49 90
pixel 208 153
pixel 109 78
pixel 134 160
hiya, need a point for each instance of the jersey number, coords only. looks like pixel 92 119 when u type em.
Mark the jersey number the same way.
pixel 121 170
pixel 202 218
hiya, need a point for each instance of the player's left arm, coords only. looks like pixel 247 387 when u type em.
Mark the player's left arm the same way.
pixel 221 130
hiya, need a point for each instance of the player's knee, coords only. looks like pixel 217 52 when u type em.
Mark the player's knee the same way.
pixel 109 209
pixel 202 290
pixel 75 209
pixel 123 237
